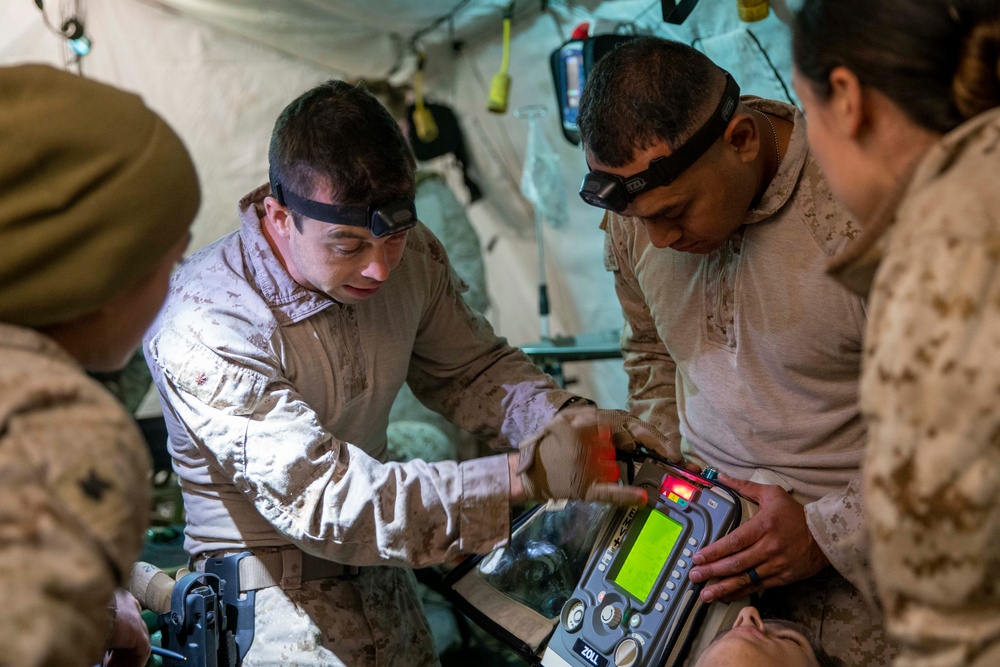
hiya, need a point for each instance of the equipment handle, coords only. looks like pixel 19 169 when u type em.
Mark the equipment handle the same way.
pixel 151 586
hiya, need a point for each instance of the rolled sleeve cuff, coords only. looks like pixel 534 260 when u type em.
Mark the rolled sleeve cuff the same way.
pixel 842 535
pixel 485 519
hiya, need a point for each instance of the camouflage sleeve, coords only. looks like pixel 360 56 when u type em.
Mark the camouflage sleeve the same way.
pixel 650 369
pixel 74 504
pixel 325 495
pixel 837 523
pixel 932 473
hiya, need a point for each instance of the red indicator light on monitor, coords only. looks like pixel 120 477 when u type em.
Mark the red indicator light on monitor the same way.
pixel 680 487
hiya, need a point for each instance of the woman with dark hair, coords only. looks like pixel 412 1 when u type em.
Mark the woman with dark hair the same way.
pixel 902 100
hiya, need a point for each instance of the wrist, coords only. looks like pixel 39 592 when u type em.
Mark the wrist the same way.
pixel 576 401
pixel 517 494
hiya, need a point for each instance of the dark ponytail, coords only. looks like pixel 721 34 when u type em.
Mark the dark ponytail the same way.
pixel 937 60
pixel 976 85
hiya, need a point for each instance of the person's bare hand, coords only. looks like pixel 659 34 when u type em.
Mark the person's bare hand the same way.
pixel 128 645
pixel 776 543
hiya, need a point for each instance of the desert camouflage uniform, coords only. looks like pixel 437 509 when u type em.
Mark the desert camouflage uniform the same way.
pixel 930 393
pixel 277 401
pixel 751 356
pixel 74 502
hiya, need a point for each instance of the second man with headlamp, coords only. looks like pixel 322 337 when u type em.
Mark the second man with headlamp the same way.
pixel 736 344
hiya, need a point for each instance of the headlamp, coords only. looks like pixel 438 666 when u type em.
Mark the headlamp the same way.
pixel 388 218
pixel 614 193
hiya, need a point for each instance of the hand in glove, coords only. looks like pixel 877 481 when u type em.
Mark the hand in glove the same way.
pixel 572 457
pixel 628 431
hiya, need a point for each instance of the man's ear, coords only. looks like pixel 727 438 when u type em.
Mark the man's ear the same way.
pixel 278 217
pixel 743 136
pixel 846 103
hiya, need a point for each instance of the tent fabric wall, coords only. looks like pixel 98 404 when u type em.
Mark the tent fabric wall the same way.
pixel 220 71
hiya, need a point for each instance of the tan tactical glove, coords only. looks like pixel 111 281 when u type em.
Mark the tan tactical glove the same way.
pixel 572 458
pixel 628 431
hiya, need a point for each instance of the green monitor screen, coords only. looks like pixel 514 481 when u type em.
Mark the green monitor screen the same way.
pixel 649 553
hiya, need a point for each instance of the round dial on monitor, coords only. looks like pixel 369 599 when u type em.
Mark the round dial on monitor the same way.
pixel 572 614
pixel 627 653
pixel 611 616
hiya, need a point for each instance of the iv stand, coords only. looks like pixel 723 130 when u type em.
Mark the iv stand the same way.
pixel 532 113
pixel 543 290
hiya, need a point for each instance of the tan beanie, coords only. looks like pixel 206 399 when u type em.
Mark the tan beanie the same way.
pixel 95 188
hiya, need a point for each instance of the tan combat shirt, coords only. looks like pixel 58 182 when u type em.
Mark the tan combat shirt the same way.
pixel 751 354
pixel 277 401
pixel 74 504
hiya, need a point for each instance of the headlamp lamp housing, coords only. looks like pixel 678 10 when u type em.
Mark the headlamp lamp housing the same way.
pixel 381 220
pixel 614 193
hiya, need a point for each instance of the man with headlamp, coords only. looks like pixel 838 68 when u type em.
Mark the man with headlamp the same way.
pixel 278 356
pixel 736 345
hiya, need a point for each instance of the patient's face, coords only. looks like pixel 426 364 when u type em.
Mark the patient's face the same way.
pixel 752 642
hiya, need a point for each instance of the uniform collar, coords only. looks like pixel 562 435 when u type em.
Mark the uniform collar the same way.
pixel 855 267
pixel 285 296
pixel 779 190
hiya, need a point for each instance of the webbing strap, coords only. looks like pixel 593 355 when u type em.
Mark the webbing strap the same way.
pixel 288 568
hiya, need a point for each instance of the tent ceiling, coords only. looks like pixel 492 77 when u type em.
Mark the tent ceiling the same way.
pixel 361 36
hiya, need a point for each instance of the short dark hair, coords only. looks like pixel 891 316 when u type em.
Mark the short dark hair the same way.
pixel 937 60
pixel 646 90
pixel 340 134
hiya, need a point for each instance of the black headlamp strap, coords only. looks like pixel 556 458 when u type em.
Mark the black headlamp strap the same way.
pixel 713 128
pixel 664 170
pixel 388 218
pixel 615 192
pixel 356 216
